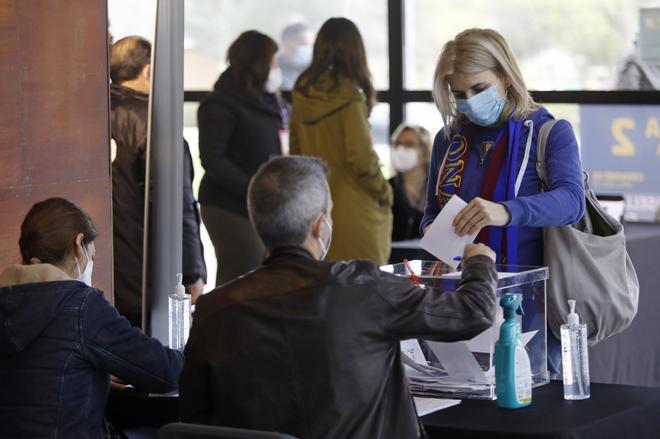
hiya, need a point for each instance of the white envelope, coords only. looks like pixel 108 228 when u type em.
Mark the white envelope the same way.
pixel 440 239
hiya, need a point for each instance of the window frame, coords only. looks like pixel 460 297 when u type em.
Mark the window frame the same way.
pixel 397 96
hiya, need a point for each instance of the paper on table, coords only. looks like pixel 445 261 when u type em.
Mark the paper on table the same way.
pixel 413 350
pixel 425 406
pixel 440 239
pixel 458 361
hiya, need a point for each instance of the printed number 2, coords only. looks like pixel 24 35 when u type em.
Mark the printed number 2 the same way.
pixel 623 147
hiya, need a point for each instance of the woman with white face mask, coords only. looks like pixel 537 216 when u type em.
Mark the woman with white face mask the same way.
pixel 242 123
pixel 60 339
pixel 411 154
pixel 486 154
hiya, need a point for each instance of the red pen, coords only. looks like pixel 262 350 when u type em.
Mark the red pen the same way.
pixel 413 276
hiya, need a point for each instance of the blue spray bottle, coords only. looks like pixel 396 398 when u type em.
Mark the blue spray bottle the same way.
pixel 513 374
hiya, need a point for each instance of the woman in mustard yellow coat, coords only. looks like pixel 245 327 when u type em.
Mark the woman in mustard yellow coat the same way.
pixel 331 104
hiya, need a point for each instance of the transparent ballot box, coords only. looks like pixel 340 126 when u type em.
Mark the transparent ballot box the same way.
pixel 466 369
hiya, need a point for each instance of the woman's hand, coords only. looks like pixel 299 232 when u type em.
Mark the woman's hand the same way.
pixel 116 383
pixel 478 214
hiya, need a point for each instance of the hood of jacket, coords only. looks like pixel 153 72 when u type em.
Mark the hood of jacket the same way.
pixel 121 93
pixel 325 97
pixel 227 89
pixel 539 117
pixel 30 297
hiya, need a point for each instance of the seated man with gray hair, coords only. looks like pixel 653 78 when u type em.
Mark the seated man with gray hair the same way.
pixel 311 347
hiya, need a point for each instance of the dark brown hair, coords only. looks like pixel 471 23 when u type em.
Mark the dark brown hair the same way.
pixel 249 58
pixel 339 49
pixel 50 228
pixel 128 57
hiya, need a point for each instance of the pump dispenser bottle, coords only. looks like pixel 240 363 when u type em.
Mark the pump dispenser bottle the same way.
pixel 179 315
pixel 513 374
pixel 575 356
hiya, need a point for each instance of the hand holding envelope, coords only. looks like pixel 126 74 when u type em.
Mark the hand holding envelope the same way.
pixel 441 240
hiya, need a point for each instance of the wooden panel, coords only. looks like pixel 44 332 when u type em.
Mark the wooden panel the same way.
pixel 54 110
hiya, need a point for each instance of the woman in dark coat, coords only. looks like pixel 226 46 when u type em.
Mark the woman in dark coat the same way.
pixel 242 123
pixel 60 339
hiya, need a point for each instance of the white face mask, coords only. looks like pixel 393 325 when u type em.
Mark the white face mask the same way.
pixel 274 81
pixel 325 247
pixel 303 55
pixel 404 159
pixel 86 275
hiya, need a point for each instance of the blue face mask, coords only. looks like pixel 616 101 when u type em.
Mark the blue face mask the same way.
pixel 484 108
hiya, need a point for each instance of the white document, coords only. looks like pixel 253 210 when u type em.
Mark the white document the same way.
pixel 413 350
pixel 425 406
pixel 440 239
pixel 458 361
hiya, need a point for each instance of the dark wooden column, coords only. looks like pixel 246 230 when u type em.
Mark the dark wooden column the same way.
pixel 54 117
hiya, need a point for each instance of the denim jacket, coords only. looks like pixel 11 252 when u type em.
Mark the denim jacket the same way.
pixel 59 342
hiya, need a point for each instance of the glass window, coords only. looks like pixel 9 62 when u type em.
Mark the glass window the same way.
pixel 380 134
pixel 560 45
pixel 191 134
pixel 211 26
pixel 128 17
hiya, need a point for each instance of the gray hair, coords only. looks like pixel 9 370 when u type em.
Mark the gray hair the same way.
pixel 285 196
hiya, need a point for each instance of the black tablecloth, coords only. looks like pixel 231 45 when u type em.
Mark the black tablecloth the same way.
pixel 632 357
pixel 130 408
pixel 613 411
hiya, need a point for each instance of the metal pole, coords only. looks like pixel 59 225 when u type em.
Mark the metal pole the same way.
pixel 395 20
pixel 166 161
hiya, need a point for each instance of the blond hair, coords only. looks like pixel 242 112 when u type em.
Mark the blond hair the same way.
pixel 473 51
pixel 423 137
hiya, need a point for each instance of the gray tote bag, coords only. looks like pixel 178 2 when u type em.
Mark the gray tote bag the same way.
pixel 588 262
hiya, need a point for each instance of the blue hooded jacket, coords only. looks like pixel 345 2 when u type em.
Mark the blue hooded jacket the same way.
pixel 59 342
pixel 562 203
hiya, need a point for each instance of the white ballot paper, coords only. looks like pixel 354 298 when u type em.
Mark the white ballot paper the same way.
pixel 440 239
pixel 458 361
pixel 425 406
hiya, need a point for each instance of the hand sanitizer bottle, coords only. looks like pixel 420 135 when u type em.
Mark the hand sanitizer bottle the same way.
pixel 179 315
pixel 575 356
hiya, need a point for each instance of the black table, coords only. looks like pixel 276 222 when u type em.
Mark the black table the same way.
pixel 130 408
pixel 613 411
pixel 632 357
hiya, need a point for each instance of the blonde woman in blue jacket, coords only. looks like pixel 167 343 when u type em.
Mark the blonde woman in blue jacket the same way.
pixel 486 154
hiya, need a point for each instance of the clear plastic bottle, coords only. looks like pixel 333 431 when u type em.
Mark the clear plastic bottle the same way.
pixel 179 316
pixel 575 356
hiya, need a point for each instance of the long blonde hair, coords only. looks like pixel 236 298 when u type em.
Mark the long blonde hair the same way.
pixel 473 51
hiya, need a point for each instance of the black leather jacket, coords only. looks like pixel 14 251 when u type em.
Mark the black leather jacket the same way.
pixel 311 348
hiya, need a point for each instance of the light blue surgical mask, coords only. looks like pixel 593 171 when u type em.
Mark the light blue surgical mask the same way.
pixel 484 108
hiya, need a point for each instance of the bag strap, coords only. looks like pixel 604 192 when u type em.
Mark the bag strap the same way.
pixel 541 141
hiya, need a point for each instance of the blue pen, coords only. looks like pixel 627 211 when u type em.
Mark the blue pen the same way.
pixel 457 258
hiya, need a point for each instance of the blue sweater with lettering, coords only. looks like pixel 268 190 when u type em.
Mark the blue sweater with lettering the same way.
pixel 562 203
